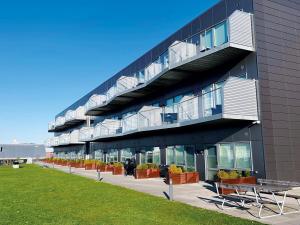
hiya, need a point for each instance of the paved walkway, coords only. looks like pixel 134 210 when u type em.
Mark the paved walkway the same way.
pixel 199 195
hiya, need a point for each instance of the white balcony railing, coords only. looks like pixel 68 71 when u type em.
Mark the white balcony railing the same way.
pixel 60 121
pixel 86 134
pixel 233 99
pixel 107 127
pixel 51 126
pixel 235 31
pixel 95 101
pixel 78 114
pixel 126 83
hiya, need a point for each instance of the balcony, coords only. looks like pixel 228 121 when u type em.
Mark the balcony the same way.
pixel 86 134
pixel 71 118
pixel 220 45
pixel 51 126
pixel 108 127
pixel 65 139
pixel 233 99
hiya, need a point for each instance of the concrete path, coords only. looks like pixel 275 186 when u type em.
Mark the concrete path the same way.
pixel 199 195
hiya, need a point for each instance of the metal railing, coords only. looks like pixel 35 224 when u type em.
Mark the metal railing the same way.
pixel 86 134
pixel 188 109
pixel 51 125
pixel 180 51
pixel 95 101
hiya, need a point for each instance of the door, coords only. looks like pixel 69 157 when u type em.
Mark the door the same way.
pixel 211 163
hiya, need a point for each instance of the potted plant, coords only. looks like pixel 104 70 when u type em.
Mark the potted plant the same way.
pixel 234 177
pixel 144 171
pixel 118 168
pixel 90 164
pixel 192 177
pixel 176 174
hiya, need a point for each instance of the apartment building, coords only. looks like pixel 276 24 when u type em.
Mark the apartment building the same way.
pixel 220 93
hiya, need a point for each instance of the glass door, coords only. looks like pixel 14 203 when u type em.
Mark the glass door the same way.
pixel 211 163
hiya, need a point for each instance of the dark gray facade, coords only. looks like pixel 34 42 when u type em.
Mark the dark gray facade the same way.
pixel 274 64
pixel 277 26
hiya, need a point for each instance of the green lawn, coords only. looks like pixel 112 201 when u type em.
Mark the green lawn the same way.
pixel 34 195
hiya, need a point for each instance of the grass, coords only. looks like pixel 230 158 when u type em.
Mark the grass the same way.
pixel 35 195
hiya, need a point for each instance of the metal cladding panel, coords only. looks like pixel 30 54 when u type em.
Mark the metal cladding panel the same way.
pixel 277 27
pixel 240 28
pixel 240 97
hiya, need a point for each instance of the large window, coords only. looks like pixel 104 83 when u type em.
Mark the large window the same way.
pixel 212 99
pixel 150 155
pixel 209 39
pixel 112 155
pixel 221 34
pixel 181 156
pixel 127 153
pixel 235 156
pixel 99 155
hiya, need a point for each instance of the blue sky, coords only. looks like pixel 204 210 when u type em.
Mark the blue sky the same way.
pixel 54 52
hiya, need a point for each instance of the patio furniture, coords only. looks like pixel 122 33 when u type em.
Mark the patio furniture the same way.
pixel 275 190
pixel 169 117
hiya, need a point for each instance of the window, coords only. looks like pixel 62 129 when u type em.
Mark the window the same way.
pixel 156 155
pixel 212 99
pixel 99 155
pixel 141 76
pixel 243 155
pixel 181 156
pixel 202 42
pixel 209 39
pixel 127 153
pixel 164 60
pixel 235 156
pixel 221 34
pixel 226 156
pixel 112 156
pixel 172 104
pixel 150 155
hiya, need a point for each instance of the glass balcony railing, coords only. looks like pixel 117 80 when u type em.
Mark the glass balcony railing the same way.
pixel 78 114
pixel 65 139
pixel 227 31
pixel 234 98
pixel 51 126
pixel 60 121
pixel 107 127
pixel 86 134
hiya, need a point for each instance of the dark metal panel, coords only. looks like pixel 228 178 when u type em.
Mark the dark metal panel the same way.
pixel 278 64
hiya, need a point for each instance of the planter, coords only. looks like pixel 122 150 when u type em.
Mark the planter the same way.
pixel 147 173
pixel 177 178
pixel 105 168
pixel 118 171
pixel 183 178
pixel 90 166
pixel 192 177
pixel 241 180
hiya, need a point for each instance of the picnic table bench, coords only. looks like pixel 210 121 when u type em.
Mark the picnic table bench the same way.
pixel 263 187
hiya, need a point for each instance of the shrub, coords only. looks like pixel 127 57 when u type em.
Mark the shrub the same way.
pixel 233 174
pixel 118 164
pixel 174 169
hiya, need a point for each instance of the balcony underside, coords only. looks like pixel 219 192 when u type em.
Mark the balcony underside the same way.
pixel 67 124
pixel 69 145
pixel 212 120
pixel 205 61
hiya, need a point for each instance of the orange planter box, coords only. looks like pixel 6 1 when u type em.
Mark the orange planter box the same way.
pixel 183 178
pixel 148 173
pixel 241 180
pixel 118 171
pixel 90 166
